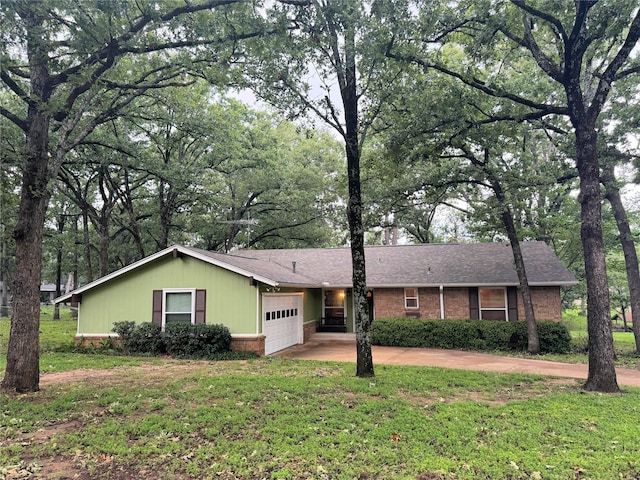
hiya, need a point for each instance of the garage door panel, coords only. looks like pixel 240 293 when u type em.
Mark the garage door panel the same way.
pixel 281 320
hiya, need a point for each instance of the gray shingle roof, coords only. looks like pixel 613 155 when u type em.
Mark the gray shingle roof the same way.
pixel 475 264
pixel 406 265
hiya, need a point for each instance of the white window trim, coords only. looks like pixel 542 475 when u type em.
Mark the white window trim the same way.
pixel 506 303
pixel 417 298
pixel 192 291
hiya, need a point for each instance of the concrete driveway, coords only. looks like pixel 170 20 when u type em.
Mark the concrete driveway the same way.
pixel 328 349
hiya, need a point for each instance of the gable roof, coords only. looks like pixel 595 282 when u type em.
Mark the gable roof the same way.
pixel 473 264
pixel 449 265
pixel 174 250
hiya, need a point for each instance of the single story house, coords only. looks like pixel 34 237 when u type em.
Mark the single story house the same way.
pixel 48 292
pixel 273 299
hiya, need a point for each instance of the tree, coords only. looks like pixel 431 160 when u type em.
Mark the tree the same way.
pixel 62 65
pixel 273 185
pixel 627 242
pixel 582 49
pixel 10 153
pixel 460 152
pixel 335 43
pixel 618 287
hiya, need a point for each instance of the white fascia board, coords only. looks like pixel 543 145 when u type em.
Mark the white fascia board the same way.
pixel 184 250
pixel 227 266
pixel 115 274
pixel 306 285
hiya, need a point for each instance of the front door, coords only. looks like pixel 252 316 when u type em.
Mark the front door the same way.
pixel 334 308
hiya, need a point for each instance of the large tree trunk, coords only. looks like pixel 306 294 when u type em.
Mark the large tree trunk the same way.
pixel 364 358
pixel 628 248
pixel 22 373
pixel 602 373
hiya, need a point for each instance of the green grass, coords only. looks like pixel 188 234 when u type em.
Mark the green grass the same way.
pixel 53 333
pixel 624 343
pixel 275 418
pixel 282 419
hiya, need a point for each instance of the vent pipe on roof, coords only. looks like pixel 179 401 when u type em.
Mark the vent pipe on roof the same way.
pixel 293 264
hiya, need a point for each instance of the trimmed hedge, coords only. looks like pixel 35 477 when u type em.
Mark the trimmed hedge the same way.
pixel 179 340
pixel 183 340
pixel 468 334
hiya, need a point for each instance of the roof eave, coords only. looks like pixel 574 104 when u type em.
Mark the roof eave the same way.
pixel 179 248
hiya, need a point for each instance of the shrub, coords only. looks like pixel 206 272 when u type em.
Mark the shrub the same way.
pixel 184 340
pixel 468 334
pixel 145 338
pixel 180 340
pixel 554 337
pixel 124 329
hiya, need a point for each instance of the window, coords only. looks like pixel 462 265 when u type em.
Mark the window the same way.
pixel 493 303
pixel 411 298
pixel 179 306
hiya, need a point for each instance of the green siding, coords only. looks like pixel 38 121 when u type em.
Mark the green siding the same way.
pixel 349 313
pixel 313 304
pixel 231 300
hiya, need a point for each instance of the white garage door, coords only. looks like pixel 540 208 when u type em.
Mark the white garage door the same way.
pixel 281 321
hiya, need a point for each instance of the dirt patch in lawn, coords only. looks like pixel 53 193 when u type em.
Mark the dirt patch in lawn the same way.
pixel 124 375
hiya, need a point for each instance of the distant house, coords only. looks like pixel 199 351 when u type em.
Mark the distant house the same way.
pixel 273 299
pixel 48 292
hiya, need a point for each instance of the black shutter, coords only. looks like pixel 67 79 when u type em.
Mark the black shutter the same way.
pixel 512 303
pixel 156 316
pixel 201 306
pixel 474 305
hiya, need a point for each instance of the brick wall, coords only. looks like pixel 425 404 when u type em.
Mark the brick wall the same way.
pixel 95 340
pixel 308 329
pixel 547 304
pixel 389 302
pixel 456 303
pixel 248 344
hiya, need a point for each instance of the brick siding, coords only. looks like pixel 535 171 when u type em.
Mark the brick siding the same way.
pixel 547 304
pixel 456 303
pixel 248 344
pixel 308 329
pixel 389 302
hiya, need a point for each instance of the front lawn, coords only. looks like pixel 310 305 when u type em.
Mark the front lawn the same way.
pixel 271 418
pixel 283 419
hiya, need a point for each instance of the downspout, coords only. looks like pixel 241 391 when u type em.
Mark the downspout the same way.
pixel 442 302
